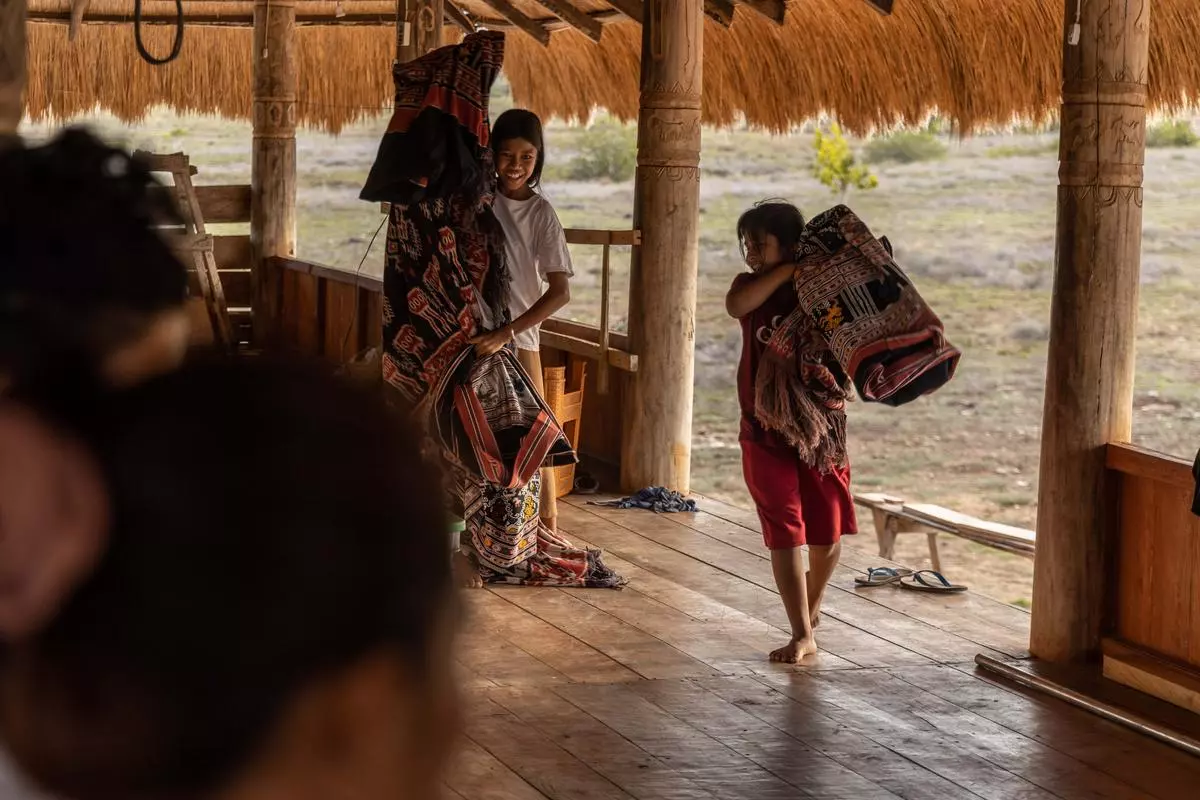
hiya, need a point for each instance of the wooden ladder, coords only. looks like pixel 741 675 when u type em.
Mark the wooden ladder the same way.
pixel 194 244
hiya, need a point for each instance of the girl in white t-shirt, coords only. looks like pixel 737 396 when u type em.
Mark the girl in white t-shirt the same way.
pixel 536 250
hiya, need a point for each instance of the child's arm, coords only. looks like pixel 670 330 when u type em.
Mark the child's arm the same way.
pixel 746 295
pixel 557 295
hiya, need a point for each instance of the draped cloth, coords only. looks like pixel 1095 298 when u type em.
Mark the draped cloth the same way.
pixel 444 281
pixel 859 322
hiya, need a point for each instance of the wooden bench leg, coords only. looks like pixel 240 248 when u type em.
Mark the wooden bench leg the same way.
pixel 886 528
pixel 934 557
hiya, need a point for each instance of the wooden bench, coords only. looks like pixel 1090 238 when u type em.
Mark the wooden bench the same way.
pixel 893 516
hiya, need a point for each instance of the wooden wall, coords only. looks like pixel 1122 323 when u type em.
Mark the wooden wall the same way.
pixel 1154 615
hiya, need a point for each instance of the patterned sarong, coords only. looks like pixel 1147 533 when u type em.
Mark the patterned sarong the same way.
pixel 877 326
pixel 496 432
pixel 859 322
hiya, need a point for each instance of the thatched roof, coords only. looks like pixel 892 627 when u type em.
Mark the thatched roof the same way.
pixel 976 62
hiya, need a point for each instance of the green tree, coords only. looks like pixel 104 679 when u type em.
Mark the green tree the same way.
pixel 835 166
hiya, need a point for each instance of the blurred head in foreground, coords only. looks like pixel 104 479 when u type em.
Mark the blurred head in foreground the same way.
pixel 229 580
pixel 84 274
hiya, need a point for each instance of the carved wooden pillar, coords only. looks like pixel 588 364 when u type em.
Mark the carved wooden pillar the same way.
pixel 424 18
pixel 1089 377
pixel 273 159
pixel 656 447
pixel 12 65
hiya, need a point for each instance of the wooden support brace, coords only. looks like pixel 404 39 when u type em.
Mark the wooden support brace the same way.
pixel 774 10
pixel 630 8
pixel 571 15
pixel 455 15
pixel 513 15
pixel 720 11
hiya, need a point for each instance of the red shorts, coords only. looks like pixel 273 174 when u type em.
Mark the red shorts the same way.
pixel 796 504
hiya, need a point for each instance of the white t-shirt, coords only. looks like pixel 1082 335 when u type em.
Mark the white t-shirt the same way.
pixel 535 246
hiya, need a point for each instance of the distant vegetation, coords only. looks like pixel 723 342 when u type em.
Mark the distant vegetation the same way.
pixel 905 147
pixel 835 165
pixel 1172 133
pixel 607 151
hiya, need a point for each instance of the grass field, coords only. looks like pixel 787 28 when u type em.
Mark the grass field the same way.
pixel 974 229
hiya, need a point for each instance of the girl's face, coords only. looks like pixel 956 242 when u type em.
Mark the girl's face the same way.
pixel 763 251
pixel 515 160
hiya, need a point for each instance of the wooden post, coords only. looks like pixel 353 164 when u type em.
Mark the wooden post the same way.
pixel 273 160
pixel 12 65
pixel 418 28
pixel 1089 377
pixel 657 434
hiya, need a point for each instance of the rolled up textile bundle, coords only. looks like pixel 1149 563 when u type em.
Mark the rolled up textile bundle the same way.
pixel 878 327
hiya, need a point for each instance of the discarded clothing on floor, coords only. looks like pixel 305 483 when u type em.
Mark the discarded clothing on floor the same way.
pixel 496 431
pixel 436 144
pixel 654 498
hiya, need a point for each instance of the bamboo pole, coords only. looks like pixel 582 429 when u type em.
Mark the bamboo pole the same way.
pixel 273 160
pixel 656 437
pixel 1089 379
pixel 12 66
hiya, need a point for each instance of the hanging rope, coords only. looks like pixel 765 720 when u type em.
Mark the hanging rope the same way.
pixel 141 46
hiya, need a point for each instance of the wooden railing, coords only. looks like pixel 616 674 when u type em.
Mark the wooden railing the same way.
pixel 1154 644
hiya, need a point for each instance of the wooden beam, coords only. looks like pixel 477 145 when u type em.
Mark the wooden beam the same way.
pixel 513 15
pixel 774 10
pixel 657 436
pixel 12 66
pixel 633 9
pixel 424 29
pixel 882 6
pixel 455 15
pixel 1093 321
pixel 720 11
pixel 573 17
pixel 272 159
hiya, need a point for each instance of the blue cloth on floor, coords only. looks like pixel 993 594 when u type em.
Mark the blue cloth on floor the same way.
pixel 654 498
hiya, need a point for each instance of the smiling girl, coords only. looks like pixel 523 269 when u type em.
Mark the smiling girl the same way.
pixel 536 251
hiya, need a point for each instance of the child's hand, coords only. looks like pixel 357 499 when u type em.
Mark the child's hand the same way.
pixel 493 341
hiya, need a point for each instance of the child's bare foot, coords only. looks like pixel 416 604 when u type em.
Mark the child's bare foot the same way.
pixel 795 651
pixel 465 574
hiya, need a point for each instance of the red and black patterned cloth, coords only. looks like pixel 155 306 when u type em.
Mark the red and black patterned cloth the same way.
pixel 859 322
pixel 436 143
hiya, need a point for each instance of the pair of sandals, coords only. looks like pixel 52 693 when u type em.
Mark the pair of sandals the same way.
pixel 925 580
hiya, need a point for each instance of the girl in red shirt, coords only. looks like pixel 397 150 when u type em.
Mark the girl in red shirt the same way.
pixel 797 503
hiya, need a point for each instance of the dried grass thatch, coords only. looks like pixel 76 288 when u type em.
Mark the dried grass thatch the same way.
pixel 976 62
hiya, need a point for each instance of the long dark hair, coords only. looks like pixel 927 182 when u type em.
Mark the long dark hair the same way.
pixel 518 123
pixel 245 559
pixel 778 218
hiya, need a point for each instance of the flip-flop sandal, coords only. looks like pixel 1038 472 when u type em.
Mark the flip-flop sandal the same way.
pixel 881 576
pixel 938 585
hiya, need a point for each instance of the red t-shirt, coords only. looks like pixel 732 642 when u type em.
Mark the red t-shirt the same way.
pixel 757 328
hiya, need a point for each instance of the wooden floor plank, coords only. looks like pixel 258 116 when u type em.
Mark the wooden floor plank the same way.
pixel 540 762
pixel 982 619
pixel 907 735
pixel 1156 770
pixel 612 755
pixel 828 736
pixel 559 651
pixel 478 775
pixel 647 656
pixel 811 772
pixel 1051 770
pixel 846 642
pixel 742 645
pixel 845 606
pixel 700 758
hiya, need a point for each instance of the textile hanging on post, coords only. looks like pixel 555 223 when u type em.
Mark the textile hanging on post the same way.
pixel 444 271
pixel 859 322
